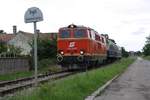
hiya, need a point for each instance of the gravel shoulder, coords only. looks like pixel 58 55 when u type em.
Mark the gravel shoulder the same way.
pixel 133 84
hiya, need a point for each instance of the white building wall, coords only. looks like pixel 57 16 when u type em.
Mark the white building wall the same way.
pixel 22 42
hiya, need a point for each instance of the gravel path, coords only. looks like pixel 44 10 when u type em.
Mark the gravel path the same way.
pixel 134 84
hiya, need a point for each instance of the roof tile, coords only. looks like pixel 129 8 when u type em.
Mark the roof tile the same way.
pixel 6 37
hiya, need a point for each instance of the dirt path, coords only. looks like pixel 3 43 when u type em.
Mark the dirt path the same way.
pixel 134 84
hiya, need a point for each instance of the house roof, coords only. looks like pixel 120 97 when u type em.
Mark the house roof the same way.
pixel 47 35
pixel 40 35
pixel 6 37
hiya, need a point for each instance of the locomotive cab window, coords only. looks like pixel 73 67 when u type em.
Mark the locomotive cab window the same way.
pixel 64 34
pixel 103 40
pixel 79 33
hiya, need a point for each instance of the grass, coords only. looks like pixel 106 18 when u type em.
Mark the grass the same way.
pixel 147 57
pixel 16 75
pixel 75 87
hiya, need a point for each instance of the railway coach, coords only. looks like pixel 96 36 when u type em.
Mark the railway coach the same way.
pixel 114 52
pixel 80 45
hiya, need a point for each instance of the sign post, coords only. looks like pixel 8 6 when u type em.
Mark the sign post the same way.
pixel 34 15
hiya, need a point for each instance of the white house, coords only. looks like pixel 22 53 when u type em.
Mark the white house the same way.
pixel 24 39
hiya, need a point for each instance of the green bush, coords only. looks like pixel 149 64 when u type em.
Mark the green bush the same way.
pixel 3 47
pixel 48 65
pixel 45 48
pixel 44 63
pixel 147 57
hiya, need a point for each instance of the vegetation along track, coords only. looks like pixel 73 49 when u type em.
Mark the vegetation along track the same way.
pixel 8 87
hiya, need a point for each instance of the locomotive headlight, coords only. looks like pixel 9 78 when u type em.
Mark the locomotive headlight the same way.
pixel 81 52
pixel 72 26
pixel 62 52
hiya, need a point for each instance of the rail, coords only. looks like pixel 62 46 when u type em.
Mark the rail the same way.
pixel 10 87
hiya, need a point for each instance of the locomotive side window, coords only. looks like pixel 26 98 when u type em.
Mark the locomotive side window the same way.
pixel 64 34
pixel 103 40
pixel 79 33
pixel 89 34
pixel 97 37
pixel 93 34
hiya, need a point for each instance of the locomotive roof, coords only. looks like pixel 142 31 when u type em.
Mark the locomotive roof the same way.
pixel 74 26
pixel 78 26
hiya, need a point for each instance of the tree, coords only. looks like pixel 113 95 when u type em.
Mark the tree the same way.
pixel 2 32
pixel 146 48
pixel 124 52
pixel 148 40
pixel 138 53
pixel 3 47
pixel 9 50
pixel 14 50
pixel 46 48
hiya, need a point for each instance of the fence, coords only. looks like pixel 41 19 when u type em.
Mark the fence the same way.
pixel 13 64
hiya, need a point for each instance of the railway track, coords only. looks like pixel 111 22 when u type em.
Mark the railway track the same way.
pixel 10 87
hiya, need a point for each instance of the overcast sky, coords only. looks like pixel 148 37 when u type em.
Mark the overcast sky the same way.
pixel 126 21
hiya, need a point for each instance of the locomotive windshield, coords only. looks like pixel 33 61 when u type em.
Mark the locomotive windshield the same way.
pixel 79 33
pixel 64 34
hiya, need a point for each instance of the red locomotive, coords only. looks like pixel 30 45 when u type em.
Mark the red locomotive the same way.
pixel 80 45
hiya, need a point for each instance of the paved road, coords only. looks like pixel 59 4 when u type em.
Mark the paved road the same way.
pixel 134 84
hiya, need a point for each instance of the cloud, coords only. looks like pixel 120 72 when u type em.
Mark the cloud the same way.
pixel 140 30
pixel 123 20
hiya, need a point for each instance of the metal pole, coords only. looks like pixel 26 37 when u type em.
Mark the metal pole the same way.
pixel 35 55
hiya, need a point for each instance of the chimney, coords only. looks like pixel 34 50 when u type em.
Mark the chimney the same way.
pixel 14 29
pixel 38 33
